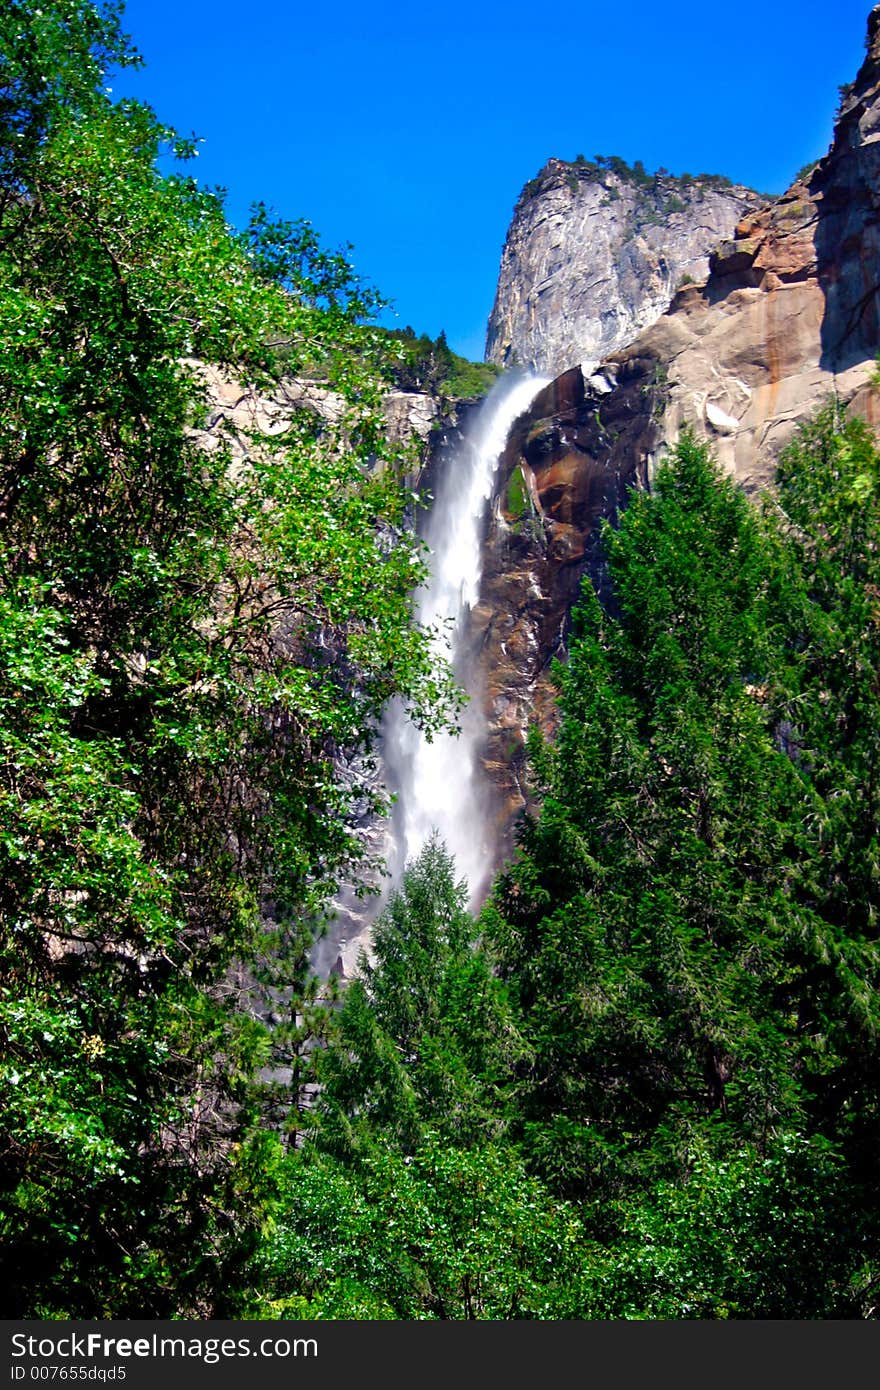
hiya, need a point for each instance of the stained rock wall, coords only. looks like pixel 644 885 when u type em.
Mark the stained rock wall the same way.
pixel 788 314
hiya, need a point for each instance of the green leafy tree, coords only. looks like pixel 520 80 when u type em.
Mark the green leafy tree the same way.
pixel 770 1234
pixel 199 630
pixel 446 1233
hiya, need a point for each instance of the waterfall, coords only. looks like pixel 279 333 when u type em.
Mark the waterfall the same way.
pixel 437 782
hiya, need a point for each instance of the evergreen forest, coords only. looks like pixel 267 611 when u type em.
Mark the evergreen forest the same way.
pixel 643 1082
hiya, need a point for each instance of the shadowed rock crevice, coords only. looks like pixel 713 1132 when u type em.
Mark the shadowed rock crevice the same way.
pixel 846 189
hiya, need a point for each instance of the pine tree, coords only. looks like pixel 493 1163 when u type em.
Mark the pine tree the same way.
pixel 406 1201
pixel 689 928
pixel 829 481
pixel 424 1035
pixel 646 925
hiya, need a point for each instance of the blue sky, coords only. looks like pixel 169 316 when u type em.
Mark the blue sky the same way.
pixel 409 130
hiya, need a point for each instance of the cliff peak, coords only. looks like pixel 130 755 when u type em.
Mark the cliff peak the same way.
pixel 595 252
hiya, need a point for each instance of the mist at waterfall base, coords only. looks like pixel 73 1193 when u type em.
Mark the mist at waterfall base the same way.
pixel 439 783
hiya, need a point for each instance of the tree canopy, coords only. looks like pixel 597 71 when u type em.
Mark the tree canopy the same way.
pixel 689 931
pixel 200 626
pixel 670 1083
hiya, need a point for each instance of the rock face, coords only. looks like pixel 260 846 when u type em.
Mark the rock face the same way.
pixel 428 428
pixel 789 313
pixel 595 253
pixel 411 416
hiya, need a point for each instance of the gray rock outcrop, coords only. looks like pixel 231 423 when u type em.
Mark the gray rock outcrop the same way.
pixel 595 253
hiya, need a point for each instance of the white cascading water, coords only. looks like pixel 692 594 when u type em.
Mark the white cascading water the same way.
pixel 437 784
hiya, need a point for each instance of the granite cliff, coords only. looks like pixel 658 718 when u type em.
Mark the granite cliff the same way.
pixel 788 314
pixel 595 253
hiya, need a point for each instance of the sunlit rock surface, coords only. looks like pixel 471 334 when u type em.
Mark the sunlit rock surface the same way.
pixel 593 257
pixel 789 313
